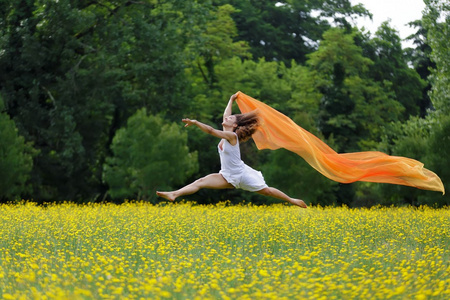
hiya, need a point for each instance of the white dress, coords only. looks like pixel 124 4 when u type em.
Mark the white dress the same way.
pixel 236 172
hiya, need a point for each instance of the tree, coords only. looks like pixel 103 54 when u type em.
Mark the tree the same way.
pixel 437 21
pixel 72 72
pixel 148 154
pixel 215 43
pixel 428 139
pixel 353 107
pixel 16 160
pixel 419 58
pixel 408 139
pixel 390 69
pixel 288 30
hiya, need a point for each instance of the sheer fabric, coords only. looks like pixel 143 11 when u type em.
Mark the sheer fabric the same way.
pixel 278 131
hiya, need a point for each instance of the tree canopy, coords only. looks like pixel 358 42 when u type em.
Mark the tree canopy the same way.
pixel 85 84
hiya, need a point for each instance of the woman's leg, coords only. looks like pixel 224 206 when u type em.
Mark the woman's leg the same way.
pixel 276 193
pixel 211 181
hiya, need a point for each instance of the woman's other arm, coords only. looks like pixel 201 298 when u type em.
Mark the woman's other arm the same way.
pixel 228 135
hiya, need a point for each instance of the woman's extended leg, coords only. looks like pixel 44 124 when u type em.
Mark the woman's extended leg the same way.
pixel 211 181
pixel 276 193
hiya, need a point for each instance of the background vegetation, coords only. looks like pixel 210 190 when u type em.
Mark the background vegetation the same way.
pixel 92 93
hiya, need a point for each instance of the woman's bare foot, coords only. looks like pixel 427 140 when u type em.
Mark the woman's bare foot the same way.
pixel 167 195
pixel 300 203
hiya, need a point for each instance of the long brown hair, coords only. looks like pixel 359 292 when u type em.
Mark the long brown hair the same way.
pixel 246 125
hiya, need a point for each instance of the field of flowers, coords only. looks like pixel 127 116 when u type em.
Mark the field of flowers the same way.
pixel 186 251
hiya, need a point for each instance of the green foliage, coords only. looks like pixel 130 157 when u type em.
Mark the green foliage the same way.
pixel 289 30
pixel 148 154
pixel 351 101
pixel 391 71
pixel 439 160
pixel 409 139
pixel 73 72
pixel 419 58
pixel 16 160
pixel 437 22
pixel 261 79
pixel 428 139
pixel 215 43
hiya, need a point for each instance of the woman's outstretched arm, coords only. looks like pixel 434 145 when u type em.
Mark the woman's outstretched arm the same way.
pixel 228 135
pixel 229 107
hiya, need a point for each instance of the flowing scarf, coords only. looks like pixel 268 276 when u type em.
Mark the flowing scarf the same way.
pixel 278 131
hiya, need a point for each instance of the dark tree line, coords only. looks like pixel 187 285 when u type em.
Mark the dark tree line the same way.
pixel 92 93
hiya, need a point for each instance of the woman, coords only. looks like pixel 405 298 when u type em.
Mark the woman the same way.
pixel 234 172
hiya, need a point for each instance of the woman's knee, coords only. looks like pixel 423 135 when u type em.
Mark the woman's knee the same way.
pixel 265 191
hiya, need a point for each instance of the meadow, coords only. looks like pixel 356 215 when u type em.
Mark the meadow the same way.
pixel 188 251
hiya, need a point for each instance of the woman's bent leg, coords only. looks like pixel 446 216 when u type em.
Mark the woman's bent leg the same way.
pixel 276 193
pixel 211 181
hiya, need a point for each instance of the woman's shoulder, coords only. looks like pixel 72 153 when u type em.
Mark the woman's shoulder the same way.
pixel 233 139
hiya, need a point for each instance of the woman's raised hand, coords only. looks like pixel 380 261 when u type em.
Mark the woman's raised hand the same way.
pixel 233 97
pixel 188 122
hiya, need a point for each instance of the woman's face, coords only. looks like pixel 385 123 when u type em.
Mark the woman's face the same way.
pixel 230 121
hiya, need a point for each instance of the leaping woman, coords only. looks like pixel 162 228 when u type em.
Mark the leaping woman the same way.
pixel 234 172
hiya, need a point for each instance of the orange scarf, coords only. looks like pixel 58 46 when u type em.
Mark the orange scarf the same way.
pixel 278 131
